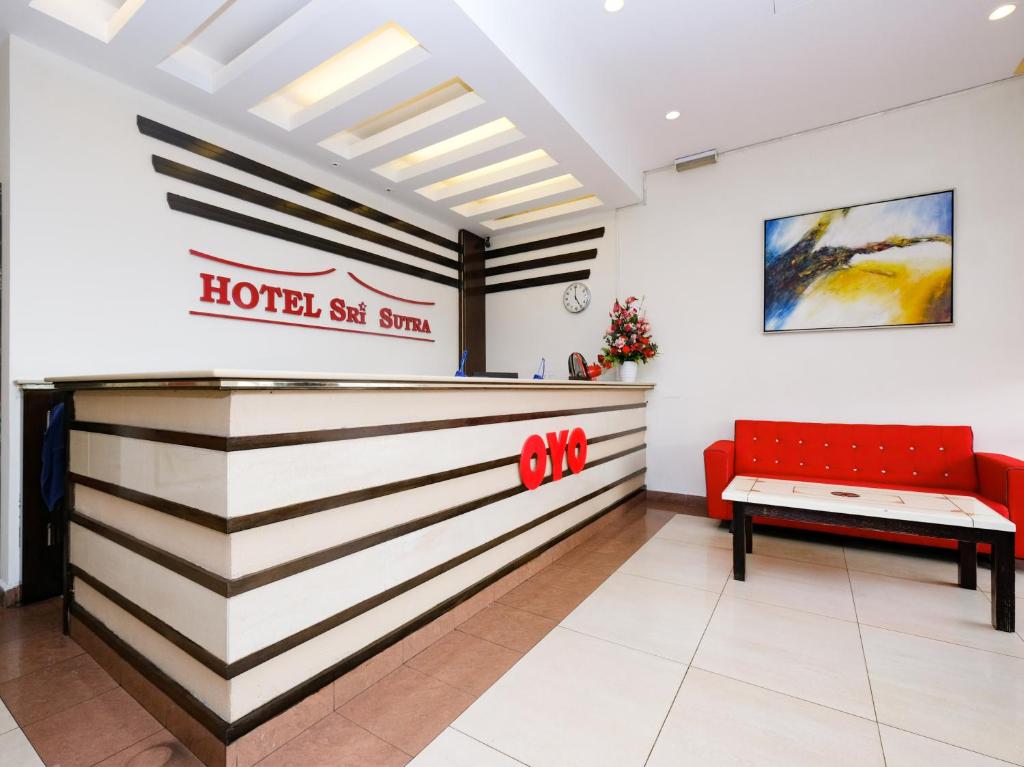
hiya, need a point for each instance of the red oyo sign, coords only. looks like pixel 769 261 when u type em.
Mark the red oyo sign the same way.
pixel 570 447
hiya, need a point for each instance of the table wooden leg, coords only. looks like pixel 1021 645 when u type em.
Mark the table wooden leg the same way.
pixel 739 542
pixel 967 571
pixel 1003 582
pixel 749 532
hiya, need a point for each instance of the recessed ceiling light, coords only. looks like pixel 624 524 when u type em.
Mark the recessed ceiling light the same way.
pixel 673 115
pixel 1002 12
pixel 614 6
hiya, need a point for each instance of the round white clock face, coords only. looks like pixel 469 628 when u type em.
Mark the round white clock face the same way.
pixel 576 297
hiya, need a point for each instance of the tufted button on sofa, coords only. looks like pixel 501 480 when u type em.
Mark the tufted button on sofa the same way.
pixel 937 459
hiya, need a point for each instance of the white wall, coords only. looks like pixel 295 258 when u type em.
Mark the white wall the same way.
pixel 97 275
pixel 525 325
pixel 695 251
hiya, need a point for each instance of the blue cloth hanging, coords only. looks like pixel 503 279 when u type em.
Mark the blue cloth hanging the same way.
pixel 55 458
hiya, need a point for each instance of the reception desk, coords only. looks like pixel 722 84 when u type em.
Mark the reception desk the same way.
pixel 243 539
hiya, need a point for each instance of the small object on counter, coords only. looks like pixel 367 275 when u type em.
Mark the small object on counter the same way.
pixel 539 375
pixel 578 367
pixel 594 371
pixel 461 372
pixel 493 374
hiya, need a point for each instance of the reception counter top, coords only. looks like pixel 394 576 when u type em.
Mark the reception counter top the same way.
pixel 244 538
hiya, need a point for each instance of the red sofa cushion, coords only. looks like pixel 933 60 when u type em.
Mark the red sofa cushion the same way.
pixel 936 457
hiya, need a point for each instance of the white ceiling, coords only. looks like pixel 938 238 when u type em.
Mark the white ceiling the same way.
pixel 588 87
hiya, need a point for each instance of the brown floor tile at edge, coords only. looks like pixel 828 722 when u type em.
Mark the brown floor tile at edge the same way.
pixel 544 600
pixel 335 741
pixel 407 708
pixel 91 731
pixel 23 622
pixel 160 750
pixel 23 656
pixel 268 737
pixel 570 579
pixel 48 691
pixel 466 662
pixel 508 626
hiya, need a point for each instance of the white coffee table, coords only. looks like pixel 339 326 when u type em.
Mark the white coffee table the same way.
pixel 961 518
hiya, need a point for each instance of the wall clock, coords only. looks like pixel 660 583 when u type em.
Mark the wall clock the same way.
pixel 576 297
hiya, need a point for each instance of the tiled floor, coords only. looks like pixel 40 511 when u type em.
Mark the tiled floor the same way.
pixel 826 655
pixel 636 648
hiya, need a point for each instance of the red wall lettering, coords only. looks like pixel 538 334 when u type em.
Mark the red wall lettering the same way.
pixel 570 447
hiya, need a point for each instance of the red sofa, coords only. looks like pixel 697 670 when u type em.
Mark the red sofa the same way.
pixel 930 458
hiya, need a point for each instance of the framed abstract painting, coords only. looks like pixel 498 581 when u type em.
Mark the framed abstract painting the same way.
pixel 879 265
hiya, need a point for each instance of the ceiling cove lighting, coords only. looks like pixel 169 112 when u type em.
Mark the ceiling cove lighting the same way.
pixel 428 108
pixel 489 174
pixel 672 115
pixel 543 212
pixel 460 147
pixel 101 19
pixel 366 63
pixel 1002 12
pixel 521 194
pixel 614 6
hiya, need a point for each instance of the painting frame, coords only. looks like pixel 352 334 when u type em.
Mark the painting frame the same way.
pixel 765 330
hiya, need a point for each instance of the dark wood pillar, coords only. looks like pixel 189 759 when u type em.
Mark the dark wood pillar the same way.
pixel 472 309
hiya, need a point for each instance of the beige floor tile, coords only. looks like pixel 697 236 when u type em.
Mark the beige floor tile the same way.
pixel 938 611
pixel 697 531
pixel 799 585
pixel 722 722
pixel 16 751
pixel 455 749
pixel 900 564
pixel 701 567
pixel 576 700
pixel 959 695
pixel 7 722
pixel 797 653
pixel 657 617
pixel 905 749
pixel 985 578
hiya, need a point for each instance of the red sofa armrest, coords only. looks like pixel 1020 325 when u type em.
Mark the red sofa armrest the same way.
pixel 1001 479
pixel 719 469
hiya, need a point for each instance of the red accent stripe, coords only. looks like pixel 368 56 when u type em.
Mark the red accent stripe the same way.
pixel 259 268
pixel 304 325
pixel 390 295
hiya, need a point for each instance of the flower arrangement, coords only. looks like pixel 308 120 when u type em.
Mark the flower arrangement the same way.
pixel 628 337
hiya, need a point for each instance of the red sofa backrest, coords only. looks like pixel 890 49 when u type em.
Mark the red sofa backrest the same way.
pixel 927 456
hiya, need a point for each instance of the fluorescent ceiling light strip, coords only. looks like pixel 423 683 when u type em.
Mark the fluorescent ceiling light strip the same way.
pixel 365 63
pixel 428 108
pixel 467 144
pixel 494 173
pixel 521 194
pixel 543 212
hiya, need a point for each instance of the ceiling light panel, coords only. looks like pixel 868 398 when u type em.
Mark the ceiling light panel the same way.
pixel 475 141
pixel 428 108
pixel 517 196
pixel 489 174
pixel 233 29
pixel 544 212
pixel 365 64
pixel 101 19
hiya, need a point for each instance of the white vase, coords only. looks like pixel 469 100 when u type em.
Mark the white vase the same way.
pixel 627 372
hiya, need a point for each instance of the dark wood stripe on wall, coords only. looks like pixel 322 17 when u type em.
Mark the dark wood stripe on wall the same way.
pixel 549 242
pixel 228 587
pixel 287 439
pixel 251 661
pixel 198 146
pixel 241 192
pixel 538 263
pixel 227 525
pixel 242 221
pixel 228 733
pixel 532 282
